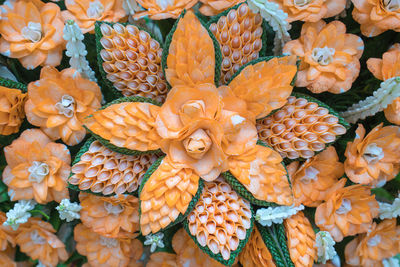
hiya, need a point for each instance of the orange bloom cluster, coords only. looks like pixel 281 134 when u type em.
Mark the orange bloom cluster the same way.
pixel 37 168
pixel 31 33
pixel 12 113
pixel 329 57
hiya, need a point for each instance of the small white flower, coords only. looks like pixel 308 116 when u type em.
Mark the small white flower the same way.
pixel 391 262
pixel 19 213
pixel 155 241
pixel 267 216
pixel 40 264
pixel 325 246
pixel 68 211
pixel 389 211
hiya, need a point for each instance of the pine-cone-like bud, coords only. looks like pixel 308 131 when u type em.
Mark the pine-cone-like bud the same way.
pixel 104 171
pixel 299 129
pixel 220 218
pixel 239 36
pixel 132 61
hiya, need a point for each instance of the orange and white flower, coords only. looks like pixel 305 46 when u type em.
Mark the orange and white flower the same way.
pixel 37 168
pixel 31 32
pixel 164 9
pixel 11 110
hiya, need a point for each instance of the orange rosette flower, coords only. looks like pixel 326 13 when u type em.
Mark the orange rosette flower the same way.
pixel 380 242
pixel 32 33
pixel 158 10
pixel 329 57
pixel 313 181
pixel 37 239
pixel 37 168
pixel 59 102
pixel 376 16
pixel 104 251
pixel 11 110
pixel 86 12
pixel 214 7
pixel 373 159
pixel 348 211
pixel 386 68
pixel 115 217
pixel 311 10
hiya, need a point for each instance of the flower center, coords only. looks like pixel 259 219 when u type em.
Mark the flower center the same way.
pixel 66 106
pixel 311 175
pixel 373 153
pixel 32 32
pixel 391 5
pixel 163 4
pixel 108 242
pixel 197 144
pixel 374 241
pixel 36 238
pixel 345 207
pixel 193 108
pixel 95 10
pixel 323 56
pixel 113 209
pixel 37 171
pixel 301 3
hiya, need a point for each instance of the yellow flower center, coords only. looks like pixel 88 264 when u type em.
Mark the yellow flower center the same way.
pixel 375 240
pixel 197 144
pixel 373 153
pixel 323 56
pixel 95 10
pixel 345 207
pixel 108 242
pixel 301 3
pixel 37 171
pixel 391 5
pixel 66 106
pixel 163 4
pixel 32 32
pixel 37 239
pixel 113 209
pixel 311 175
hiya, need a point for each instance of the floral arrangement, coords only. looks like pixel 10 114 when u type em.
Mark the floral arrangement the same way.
pixel 200 133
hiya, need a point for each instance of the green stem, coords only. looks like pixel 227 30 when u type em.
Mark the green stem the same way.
pixel 272 233
pixel 41 213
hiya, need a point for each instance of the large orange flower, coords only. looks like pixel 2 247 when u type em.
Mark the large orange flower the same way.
pixel 11 110
pixel 380 242
pixel 164 9
pixel 37 239
pixel 373 159
pixel 315 179
pixel 59 102
pixel 377 16
pixel 329 57
pixel 32 33
pixel 311 10
pixel 104 251
pixel 348 211
pixel 214 7
pixel 386 68
pixel 86 12
pixel 37 168
pixel 116 217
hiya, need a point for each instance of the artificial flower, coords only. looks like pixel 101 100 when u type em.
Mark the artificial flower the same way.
pixel 214 7
pixel 348 211
pixel 384 69
pixel 37 239
pixel 105 251
pixel 34 37
pixel 391 262
pixel 154 241
pixel 7 258
pixel 311 10
pixel 271 215
pixel 19 214
pixel 86 12
pixel 59 102
pixel 162 259
pixel 163 9
pixel 389 211
pixel 373 159
pixel 377 16
pixel 37 168
pixel 116 216
pixel 380 242
pixel 7 236
pixel 313 180
pixel 68 211
pixel 325 247
pixel 329 57
pixel 11 110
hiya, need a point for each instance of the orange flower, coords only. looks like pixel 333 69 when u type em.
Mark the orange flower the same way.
pixel 7 234
pixel 311 10
pixel 37 239
pixel 104 251
pixel 116 217
pixel 32 33
pixel 315 178
pixel 384 69
pixel 376 16
pixel 11 110
pixel 214 7
pixel 86 12
pixel 380 242
pixel 157 9
pixel 329 57
pixel 7 258
pixel 37 168
pixel 59 101
pixel 348 211
pixel 373 159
